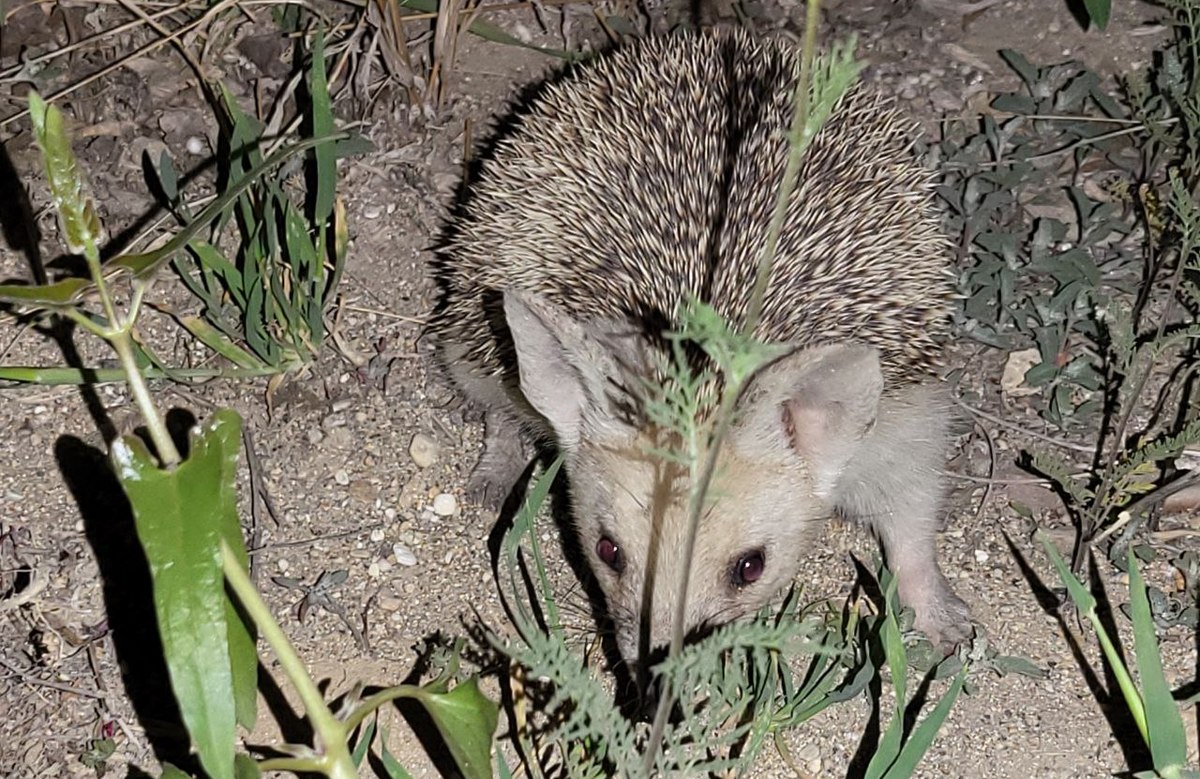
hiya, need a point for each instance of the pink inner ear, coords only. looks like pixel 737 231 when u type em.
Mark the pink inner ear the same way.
pixel 806 427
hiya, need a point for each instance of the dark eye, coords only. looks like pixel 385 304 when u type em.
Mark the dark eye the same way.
pixel 611 554
pixel 749 568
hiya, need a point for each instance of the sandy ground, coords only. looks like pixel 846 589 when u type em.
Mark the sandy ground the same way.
pixel 334 448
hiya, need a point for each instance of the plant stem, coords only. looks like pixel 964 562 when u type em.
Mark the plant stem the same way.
pixel 695 510
pixel 790 172
pixel 732 391
pixel 330 734
pixel 122 343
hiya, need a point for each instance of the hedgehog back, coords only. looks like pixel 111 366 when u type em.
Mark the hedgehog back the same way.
pixel 653 172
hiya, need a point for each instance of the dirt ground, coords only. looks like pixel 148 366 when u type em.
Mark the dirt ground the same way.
pixel 335 447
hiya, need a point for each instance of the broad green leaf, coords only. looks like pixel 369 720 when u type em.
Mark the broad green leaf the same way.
pixel 76 211
pixel 324 159
pixel 1168 744
pixel 181 516
pixel 171 772
pixel 466 719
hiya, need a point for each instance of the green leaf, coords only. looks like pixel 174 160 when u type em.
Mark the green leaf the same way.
pixel 60 294
pixel 181 516
pixel 390 763
pixel 76 212
pixel 364 742
pixel 69 292
pixel 889 746
pixel 219 342
pixel 210 258
pixel 324 159
pixel 466 719
pixel 77 376
pixel 1168 744
pixel 524 526
pixel 923 734
pixel 246 767
pixel 1098 12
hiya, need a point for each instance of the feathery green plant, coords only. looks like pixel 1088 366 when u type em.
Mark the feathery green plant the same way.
pixel 1099 277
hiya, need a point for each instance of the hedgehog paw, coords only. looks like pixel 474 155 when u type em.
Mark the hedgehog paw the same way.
pixel 500 466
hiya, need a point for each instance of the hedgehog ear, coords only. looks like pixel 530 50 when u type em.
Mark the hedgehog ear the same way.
pixel 817 404
pixel 570 370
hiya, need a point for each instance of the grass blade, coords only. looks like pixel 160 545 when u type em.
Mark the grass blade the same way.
pixel 324 161
pixel 1168 744
pixel 923 734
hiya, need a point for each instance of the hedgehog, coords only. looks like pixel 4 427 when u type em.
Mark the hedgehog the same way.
pixel 647 177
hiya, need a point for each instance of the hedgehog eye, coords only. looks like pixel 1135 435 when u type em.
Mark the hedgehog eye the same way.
pixel 749 568
pixel 611 554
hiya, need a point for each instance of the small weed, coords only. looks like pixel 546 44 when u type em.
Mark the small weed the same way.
pixel 1100 275
pixel 264 302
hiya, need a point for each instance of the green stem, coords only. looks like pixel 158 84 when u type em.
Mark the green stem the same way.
pixel 122 342
pixel 336 762
pixel 1133 698
pixel 791 171
pixel 695 510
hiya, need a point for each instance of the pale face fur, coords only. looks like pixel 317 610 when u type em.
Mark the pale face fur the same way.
pixel 814 433
pixel 640 503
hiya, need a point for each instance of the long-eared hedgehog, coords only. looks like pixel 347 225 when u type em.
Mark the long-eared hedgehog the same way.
pixel 648 175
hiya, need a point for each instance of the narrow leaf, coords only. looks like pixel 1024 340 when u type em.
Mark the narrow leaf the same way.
pixel 324 159
pixel 1168 744
pixel 219 342
pixel 923 734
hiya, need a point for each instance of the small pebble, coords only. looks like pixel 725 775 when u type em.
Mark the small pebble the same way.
pixel 341 477
pixel 195 145
pixel 981 556
pixel 423 450
pixel 445 505
pixel 377 535
pixel 372 211
pixel 315 436
pixel 404 555
pixel 283 564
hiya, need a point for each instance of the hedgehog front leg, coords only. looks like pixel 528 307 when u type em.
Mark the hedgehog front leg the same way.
pixel 502 462
pixel 895 487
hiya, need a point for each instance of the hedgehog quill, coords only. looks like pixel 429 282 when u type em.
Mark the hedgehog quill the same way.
pixel 647 176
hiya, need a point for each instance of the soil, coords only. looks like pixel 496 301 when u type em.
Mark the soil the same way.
pixel 333 445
